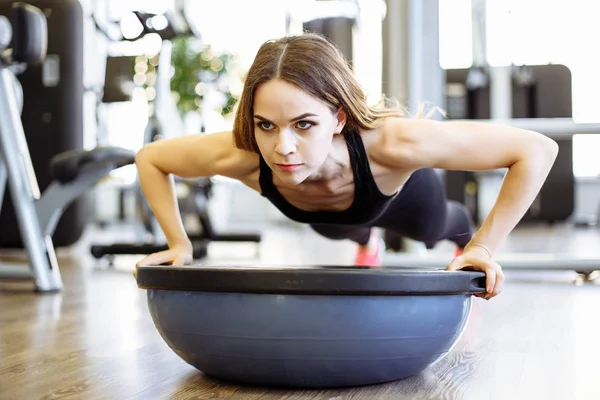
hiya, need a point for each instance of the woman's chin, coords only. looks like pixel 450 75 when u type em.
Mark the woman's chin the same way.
pixel 293 177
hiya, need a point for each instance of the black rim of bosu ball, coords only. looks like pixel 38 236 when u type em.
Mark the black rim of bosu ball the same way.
pixel 311 280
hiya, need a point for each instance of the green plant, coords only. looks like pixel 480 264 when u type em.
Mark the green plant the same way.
pixel 195 68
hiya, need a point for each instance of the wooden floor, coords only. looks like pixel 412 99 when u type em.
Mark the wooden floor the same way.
pixel 96 340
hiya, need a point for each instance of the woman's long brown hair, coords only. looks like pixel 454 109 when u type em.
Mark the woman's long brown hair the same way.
pixel 315 65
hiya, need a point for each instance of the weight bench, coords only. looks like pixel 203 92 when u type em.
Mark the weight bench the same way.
pixel 73 172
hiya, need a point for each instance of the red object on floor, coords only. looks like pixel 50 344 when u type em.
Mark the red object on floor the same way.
pixel 365 258
pixel 458 251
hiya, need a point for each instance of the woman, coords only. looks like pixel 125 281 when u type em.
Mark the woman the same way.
pixel 305 138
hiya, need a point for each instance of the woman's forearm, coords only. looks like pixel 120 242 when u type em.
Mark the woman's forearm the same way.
pixel 519 189
pixel 159 191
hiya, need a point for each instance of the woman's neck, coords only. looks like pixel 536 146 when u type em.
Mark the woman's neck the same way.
pixel 336 164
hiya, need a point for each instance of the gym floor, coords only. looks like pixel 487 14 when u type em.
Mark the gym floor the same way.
pixel 96 340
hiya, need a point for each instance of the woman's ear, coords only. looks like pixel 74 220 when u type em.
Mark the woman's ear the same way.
pixel 340 116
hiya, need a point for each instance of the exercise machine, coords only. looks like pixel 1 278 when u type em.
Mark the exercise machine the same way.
pixel 523 92
pixel 584 266
pixel 557 129
pixel 194 203
pixel 536 97
pixel 165 122
pixel 539 93
pixel 73 172
pixel 52 113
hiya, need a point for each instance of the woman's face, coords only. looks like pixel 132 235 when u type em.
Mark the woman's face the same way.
pixel 293 130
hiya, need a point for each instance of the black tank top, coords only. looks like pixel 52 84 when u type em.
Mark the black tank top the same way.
pixel 368 204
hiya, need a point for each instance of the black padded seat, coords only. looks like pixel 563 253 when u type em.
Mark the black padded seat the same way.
pixel 65 167
pixel 30 38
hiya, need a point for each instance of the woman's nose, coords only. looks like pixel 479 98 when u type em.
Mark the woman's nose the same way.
pixel 286 143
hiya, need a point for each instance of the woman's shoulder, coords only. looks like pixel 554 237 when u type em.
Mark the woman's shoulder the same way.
pixel 237 163
pixel 245 162
pixel 386 165
pixel 390 141
pixel 219 151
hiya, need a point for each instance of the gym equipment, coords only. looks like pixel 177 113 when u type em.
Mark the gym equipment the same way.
pixel 534 90
pixel 484 91
pixel 558 129
pixel 338 29
pixel 52 112
pixel 164 122
pixel 73 172
pixel 555 128
pixel 517 261
pixel 334 19
pixel 309 326
pixel 194 203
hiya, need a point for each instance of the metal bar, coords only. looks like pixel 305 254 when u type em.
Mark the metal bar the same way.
pixel 556 128
pixel 57 196
pixel 23 187
pixel 395 51
pixel 478 32
pixel 15 271
pixel 518 261
pixel 3 178
pixel 426 78
pixel 501 96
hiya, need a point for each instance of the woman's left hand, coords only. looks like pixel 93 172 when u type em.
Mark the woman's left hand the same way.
pixel 476 258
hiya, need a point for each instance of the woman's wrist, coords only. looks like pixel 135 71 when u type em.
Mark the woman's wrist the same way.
pixel 475 245
pixel 182 244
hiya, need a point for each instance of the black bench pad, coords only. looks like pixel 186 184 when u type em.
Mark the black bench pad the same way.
pixel 65 167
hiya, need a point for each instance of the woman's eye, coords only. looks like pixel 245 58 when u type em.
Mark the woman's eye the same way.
pixel 264 125
pixel 305 124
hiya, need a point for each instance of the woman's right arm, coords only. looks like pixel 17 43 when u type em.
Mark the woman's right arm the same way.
pixel 187 156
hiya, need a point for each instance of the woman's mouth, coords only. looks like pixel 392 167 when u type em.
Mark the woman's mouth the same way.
pixel 288 167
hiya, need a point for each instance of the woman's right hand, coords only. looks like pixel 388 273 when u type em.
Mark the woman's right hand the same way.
pixel 177 255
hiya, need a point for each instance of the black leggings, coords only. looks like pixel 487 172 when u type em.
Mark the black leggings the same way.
pixel 420 212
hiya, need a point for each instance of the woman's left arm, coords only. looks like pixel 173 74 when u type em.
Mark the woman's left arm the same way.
pixel 477 146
